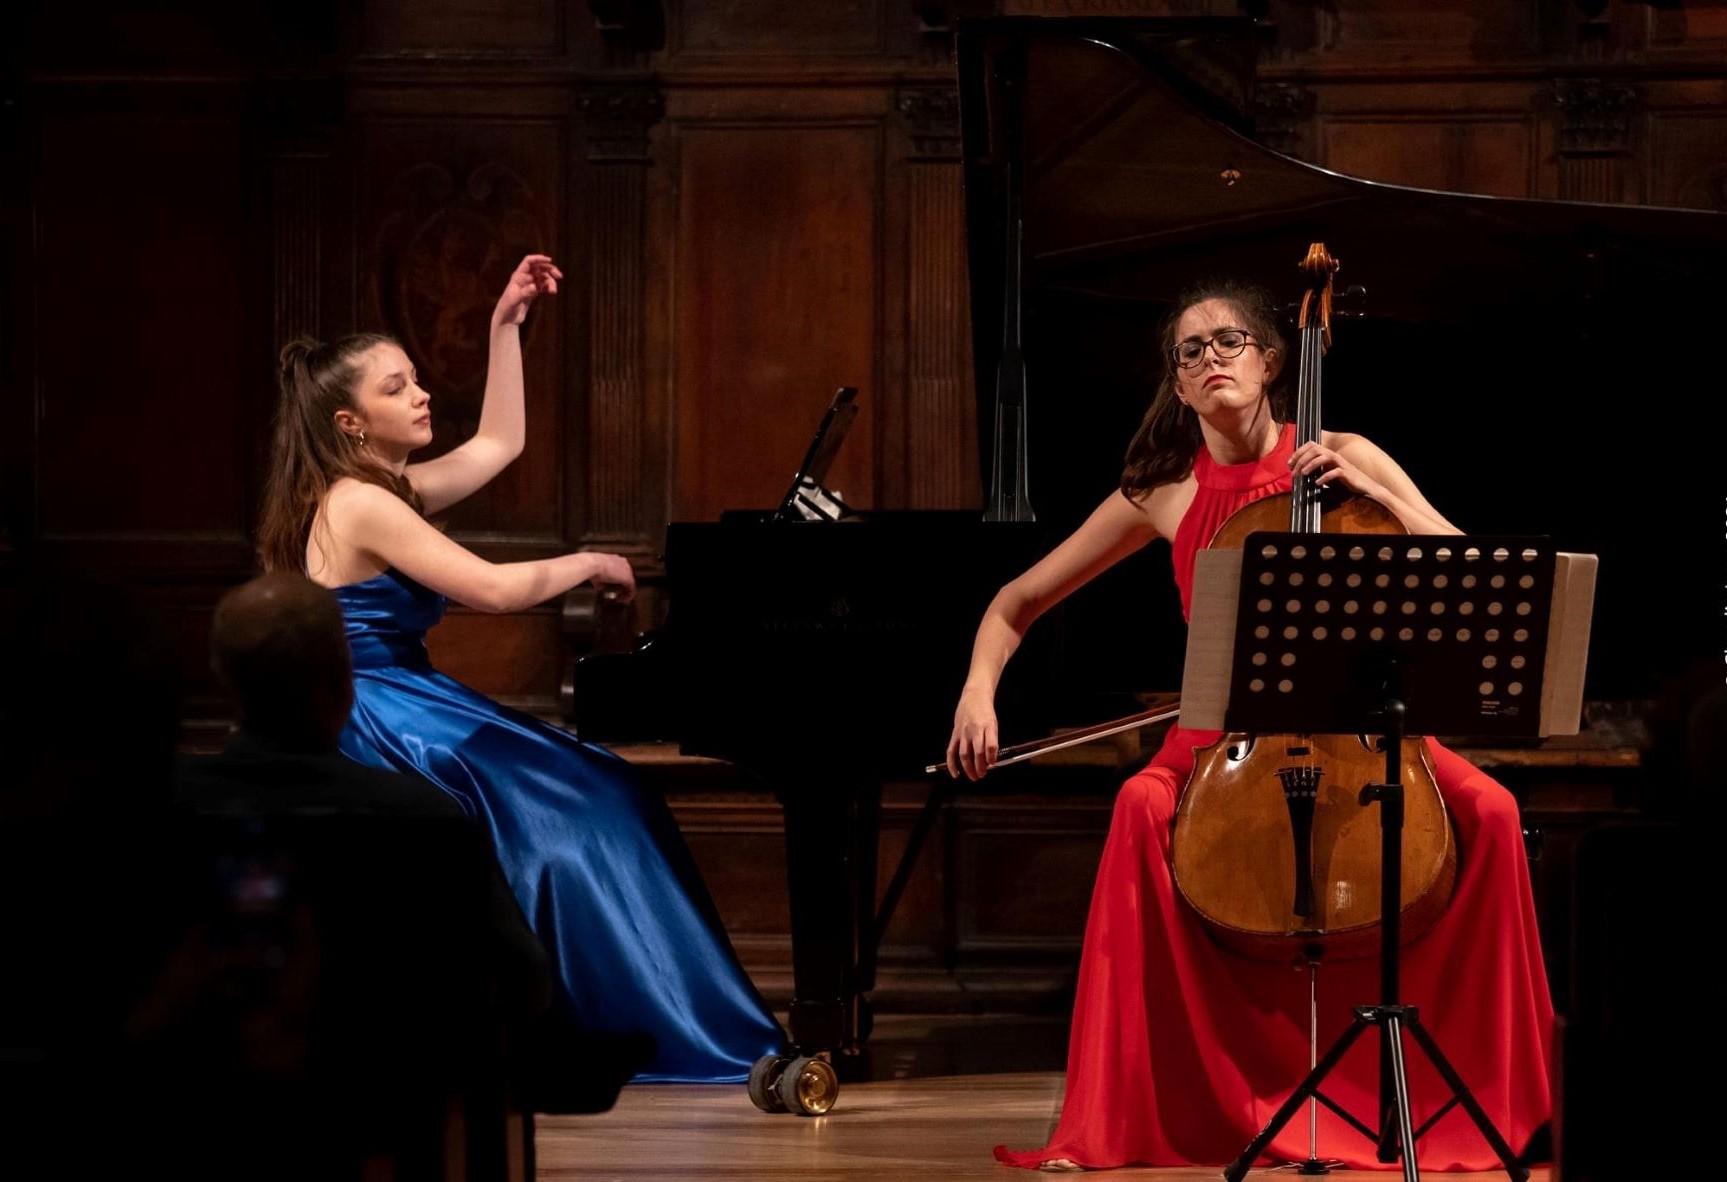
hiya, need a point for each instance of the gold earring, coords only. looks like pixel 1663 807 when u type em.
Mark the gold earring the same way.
pixel 362 438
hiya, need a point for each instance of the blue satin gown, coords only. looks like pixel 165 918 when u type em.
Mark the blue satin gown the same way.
pixel 597 864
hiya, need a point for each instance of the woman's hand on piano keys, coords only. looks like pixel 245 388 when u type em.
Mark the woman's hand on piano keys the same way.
pixel 974 744
pixel 613 576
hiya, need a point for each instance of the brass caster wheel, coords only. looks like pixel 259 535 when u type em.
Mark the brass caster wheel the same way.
pixel 808 1086
pixel 763 1078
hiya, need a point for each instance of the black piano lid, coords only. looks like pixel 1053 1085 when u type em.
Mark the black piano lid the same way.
pixel 1121 137
pixel 1486 320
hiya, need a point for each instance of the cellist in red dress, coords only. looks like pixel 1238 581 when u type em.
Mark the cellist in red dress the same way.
pixel 1180 1051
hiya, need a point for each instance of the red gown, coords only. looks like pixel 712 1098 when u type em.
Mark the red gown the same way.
pixel 1180 1051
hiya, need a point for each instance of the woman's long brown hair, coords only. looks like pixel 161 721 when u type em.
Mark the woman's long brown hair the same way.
pixel 1168 438
pixel 309 453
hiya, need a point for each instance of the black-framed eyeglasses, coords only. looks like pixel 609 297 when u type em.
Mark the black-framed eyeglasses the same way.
pixel 1228 343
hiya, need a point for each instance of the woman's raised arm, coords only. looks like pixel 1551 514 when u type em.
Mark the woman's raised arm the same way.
pixel 463 470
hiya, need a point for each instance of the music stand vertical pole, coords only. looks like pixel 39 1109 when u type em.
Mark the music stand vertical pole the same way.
pixel 1395 1124
pixel 1390 797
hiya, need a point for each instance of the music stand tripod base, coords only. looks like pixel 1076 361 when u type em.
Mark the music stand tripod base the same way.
pixel 1391 635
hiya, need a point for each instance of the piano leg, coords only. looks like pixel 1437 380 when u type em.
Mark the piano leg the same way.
pixel 866 834
pixel 831 836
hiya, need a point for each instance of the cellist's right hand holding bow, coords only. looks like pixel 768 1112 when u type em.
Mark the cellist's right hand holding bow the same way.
pixel 973 747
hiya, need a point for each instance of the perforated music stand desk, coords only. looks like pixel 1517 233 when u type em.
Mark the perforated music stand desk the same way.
pixel 1388 635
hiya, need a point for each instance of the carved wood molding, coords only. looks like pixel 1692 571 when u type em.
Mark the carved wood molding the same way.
pixel 1594 137
pixel 296 246
pixel 940 409
pixel 931 118
pixel 1282 113
pixel 1595 116
pixel 451 234
pixel 299 119
pixel 616 120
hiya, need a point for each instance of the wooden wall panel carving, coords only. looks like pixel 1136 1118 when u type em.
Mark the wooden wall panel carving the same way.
pixel 939 425
pixel 447 209
pixel 623 499
pixel 297 254
pixel 1595 119
pixel 775 296
pixel 1283 118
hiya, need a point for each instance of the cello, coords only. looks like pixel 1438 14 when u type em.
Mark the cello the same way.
pixel 1272 846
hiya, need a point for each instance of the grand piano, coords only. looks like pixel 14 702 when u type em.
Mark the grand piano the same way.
pixel 1537 366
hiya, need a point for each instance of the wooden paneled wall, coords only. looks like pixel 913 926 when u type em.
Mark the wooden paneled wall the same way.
pixel 760 200
pixel 1510 99
pixel 757 201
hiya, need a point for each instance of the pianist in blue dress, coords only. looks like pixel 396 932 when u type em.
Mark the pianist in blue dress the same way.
pixel 596 863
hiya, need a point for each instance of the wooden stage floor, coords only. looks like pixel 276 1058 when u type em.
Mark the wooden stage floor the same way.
pixel 934 1127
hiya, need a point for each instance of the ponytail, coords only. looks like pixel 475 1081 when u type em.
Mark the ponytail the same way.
pixel 308 452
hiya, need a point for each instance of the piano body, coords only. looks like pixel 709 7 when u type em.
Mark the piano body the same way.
pixel 1504 356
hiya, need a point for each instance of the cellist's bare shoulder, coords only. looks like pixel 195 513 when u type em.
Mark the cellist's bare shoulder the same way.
pixel 1165 505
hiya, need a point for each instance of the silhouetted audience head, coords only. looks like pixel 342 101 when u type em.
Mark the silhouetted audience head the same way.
pixel 279 648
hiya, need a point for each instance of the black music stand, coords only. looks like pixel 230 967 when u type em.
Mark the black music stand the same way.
pixel 1357 634
pixel 808 499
